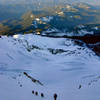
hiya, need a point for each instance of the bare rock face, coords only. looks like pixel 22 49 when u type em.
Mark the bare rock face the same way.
pixel 91 41
pixel 95 48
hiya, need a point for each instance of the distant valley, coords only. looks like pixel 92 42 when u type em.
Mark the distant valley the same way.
pixel 42 18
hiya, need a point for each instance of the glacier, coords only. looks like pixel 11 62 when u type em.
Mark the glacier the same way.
pixel 70 70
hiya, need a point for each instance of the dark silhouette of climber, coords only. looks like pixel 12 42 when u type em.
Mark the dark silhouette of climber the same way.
pixel 36 93
pixel 33 91
pixel 55 96
pixel 42 95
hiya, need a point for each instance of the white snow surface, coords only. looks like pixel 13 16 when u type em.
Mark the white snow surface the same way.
pixel 62 73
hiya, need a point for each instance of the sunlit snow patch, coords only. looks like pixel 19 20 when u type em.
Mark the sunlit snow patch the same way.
pixel 15 36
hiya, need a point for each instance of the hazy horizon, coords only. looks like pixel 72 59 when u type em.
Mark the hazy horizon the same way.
pixel 96 2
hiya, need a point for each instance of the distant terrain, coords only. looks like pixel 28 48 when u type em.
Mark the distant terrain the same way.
pixel 39 18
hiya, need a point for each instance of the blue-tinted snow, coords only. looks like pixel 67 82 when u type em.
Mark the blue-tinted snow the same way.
pixel 61 73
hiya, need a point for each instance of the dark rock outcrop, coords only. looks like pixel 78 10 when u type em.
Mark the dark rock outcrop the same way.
pixel 33 80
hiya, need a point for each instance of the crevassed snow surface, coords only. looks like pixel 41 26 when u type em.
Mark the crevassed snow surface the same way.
pixel 71 71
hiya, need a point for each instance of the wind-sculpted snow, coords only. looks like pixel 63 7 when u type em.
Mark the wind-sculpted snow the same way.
pixel 64 68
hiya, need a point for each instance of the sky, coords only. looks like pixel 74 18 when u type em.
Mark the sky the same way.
pixel 93 2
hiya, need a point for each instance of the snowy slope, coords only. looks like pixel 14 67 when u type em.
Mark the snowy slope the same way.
pixel 71 71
